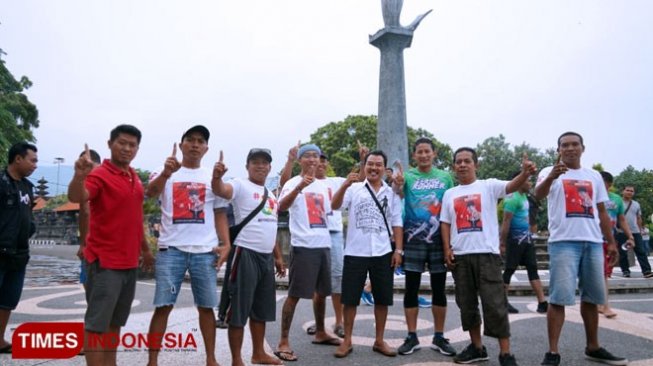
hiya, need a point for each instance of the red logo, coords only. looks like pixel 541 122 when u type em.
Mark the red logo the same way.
pixel 47 340
pixel 65 340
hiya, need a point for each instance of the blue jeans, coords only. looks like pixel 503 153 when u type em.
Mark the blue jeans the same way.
pixel 171 266
pixel 576 260
pixel 640 253
pixel 337 257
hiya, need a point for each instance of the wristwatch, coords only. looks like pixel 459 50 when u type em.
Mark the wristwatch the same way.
pixel 399 251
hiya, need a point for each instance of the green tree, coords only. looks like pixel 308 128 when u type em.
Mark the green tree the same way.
pixel 18 116
pixel 642 180
pixel 150 205
pixel 498 160
pixel 598 167
pixel 339 140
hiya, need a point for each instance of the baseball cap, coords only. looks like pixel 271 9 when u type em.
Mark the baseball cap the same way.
pixel 199 129
pixel 259 152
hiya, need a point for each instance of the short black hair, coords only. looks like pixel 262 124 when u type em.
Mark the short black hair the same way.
pixel 126 129
pixel 423 140
pixel 468 149
pixel 607 177
pixel 19 148
pixel 571 133
pixel 378 153
pixel 95 157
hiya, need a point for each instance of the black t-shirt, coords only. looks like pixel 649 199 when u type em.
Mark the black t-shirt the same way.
pixel 15 215
pixel 25 213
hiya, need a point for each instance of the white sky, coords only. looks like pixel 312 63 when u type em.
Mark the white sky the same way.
pixel 263 73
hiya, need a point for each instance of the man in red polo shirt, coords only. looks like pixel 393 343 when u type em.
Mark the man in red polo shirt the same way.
pixel 115 240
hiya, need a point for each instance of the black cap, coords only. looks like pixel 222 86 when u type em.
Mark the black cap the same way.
pixel 199 129
pixel 259 152
pixel 324 155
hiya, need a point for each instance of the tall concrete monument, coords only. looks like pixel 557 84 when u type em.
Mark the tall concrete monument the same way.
pixel 391 133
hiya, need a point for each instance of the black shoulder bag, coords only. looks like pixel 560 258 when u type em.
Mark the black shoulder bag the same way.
pixel 235 230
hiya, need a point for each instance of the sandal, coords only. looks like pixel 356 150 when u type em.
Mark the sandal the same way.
pixel 286 355
pixel 339 330
pixel 311 330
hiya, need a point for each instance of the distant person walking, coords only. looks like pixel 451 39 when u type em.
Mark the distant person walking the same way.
pixel 633 214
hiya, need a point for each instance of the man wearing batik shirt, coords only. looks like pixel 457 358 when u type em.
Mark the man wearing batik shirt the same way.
pixel 307 200
pixel 576 235
pixel 517 244
pixel 470 235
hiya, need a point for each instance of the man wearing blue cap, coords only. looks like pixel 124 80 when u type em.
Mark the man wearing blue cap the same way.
pixel 307 200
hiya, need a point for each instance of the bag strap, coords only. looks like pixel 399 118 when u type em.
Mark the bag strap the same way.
pixel 628 208
pixel 378 205
pixel 256 210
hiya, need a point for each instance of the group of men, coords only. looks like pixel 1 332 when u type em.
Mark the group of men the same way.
pixel 421 221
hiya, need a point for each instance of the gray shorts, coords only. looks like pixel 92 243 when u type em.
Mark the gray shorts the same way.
pixel 310 272
pixel 337 255
pixel 420 256
pixel 109 295
pixel 251 288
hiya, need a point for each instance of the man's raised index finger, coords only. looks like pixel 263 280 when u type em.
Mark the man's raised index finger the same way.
pixel 397 166
pixel 87 152
pixel 174 150
pixel 221 157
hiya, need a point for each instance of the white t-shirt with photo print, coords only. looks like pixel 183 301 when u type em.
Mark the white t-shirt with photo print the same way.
pixel 471 210
pixel 572 199
pixel 334 218
pixel 308 214
pixel 187 204
pixel 260 233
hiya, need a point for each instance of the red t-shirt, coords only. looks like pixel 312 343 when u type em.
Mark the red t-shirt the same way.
pixel 116 220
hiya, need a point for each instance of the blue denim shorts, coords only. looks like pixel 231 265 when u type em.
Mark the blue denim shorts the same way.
pixel 171 266
pixel 337 255
pixel 571 261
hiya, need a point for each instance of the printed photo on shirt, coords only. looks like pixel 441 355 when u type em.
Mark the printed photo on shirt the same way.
pixel 315 210
pixel 188 200
pixel 578 198
pixel 330 213
pixel 468 213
